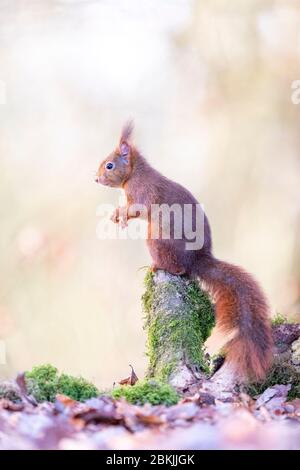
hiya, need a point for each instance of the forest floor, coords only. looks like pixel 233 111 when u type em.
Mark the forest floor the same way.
pixel 201 419
pixel 197 422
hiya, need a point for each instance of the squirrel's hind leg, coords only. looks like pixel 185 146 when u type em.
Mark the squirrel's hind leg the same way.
pixel 165 257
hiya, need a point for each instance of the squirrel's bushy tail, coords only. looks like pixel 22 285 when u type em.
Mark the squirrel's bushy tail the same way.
pixel 241 308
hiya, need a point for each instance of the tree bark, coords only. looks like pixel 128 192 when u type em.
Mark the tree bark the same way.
pixel 179 318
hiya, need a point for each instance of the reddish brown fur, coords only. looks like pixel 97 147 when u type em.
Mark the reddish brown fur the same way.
pixel 240 303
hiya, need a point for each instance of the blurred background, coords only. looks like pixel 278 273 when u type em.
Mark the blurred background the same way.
pixel 208 84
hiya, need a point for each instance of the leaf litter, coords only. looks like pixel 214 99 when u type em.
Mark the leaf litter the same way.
pixel 200 421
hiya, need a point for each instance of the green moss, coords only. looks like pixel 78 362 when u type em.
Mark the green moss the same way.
pixel 147 298
pixel 279 319
pixel 148 391
pixel 201 305
pixel 165 370
pixel 44 383
pixel 184 329
pixel 282 373
pixel 77 388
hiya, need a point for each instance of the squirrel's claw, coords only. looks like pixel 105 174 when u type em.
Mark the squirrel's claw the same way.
pixel 123 222
pixel 115 218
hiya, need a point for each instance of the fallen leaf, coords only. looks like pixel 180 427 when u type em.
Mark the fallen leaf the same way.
pixel 266 396
pixel 293 406
pixel 206 399
pixel 274 398
pixel 21 382
pixel 150 415
pixel 103 411
pixel 65 400
pixel 10 405
pixel 131 380
pixel 182 411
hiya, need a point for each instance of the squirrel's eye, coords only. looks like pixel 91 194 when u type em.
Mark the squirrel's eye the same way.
pixel 110 166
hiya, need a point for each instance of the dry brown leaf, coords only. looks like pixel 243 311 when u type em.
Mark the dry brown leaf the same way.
pixel 131 380
pixel 21 382
pixel 293 406
pixel 65 400
pixel 10 405
pixel 150 418
pixel 103 410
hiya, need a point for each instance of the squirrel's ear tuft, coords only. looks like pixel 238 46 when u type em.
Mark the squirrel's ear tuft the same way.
pixel 125 138
pixel 127 132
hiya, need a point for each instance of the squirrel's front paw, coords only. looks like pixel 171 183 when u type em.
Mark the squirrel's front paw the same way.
pixel 115 216
pixel 120 217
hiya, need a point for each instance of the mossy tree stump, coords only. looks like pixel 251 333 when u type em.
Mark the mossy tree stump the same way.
pixel 179 318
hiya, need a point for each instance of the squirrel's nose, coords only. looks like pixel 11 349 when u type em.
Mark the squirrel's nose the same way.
pixel 97 179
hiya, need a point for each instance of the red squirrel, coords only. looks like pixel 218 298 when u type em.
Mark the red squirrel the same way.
pixel 240 305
